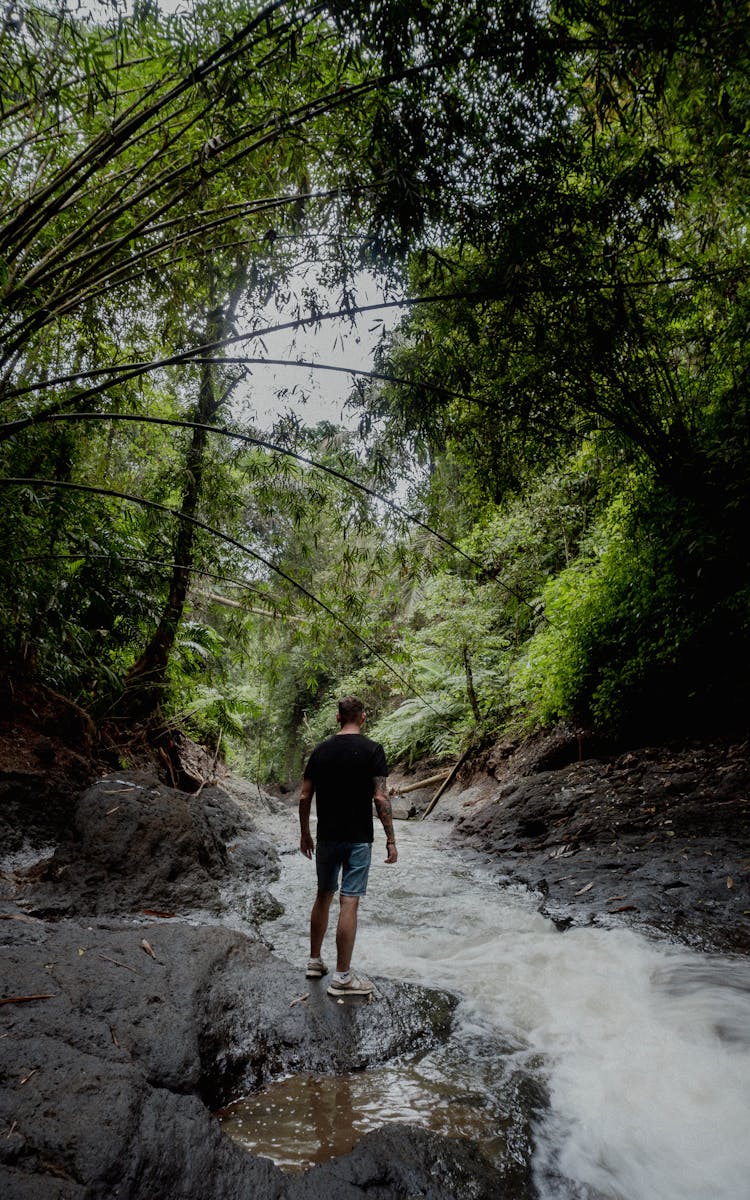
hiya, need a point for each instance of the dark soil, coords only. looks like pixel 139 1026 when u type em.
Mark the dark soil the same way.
pixel 134 845
pixel 50 749
pixel 658 835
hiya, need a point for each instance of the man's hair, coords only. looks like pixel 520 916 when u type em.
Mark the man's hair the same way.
pixel 350 709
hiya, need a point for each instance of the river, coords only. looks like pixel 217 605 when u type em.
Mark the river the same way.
pixel 641 1047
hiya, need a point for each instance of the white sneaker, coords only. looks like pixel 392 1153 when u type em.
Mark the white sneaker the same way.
pixel 353 986
pixel 316 968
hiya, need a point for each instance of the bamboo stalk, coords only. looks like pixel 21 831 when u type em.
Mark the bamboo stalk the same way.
pixel 256 612
pixel 128 125
pixel 422 783
pixel 446 782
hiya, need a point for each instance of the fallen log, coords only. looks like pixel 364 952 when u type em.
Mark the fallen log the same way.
pixel 447 782
pixel 422 783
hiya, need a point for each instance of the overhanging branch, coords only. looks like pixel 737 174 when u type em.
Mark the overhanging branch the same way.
pixel 247 360
pixel 160 562
pixel 135 370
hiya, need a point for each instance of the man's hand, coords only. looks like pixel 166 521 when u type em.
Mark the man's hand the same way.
pixel 391 852
pixel 307 845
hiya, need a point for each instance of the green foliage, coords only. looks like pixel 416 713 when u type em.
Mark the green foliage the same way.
pixel 635 632
pixel 227 712
pixel 437 726
pixel 158 175
pixel 597 308
pixel 569 396
pixel 603 613
pixel 373 685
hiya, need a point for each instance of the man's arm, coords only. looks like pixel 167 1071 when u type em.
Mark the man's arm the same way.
pixel 306 844
pixel 385 812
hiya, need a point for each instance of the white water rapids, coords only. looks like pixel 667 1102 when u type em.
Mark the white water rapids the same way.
pixel 643 1047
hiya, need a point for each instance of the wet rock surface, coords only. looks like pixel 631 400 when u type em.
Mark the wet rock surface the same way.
pixel 135 844
pixel 106 1080
pixel 402 1161
pixel 85 1127
pixel 143 1023
pixel 656 835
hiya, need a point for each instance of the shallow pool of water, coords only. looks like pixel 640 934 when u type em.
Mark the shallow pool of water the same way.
pixel 309 1118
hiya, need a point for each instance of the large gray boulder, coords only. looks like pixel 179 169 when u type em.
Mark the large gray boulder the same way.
pixel 137 844
pixel 107 1083
pixel 404 1162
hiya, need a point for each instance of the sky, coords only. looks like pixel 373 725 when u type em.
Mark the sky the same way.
pixel 314 395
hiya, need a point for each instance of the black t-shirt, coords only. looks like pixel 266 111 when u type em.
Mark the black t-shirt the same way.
pixel 343 770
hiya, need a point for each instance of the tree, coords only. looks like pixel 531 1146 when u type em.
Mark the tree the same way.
pixel 146 678
pixel 160 174
pixel 598 299
pixel 571 181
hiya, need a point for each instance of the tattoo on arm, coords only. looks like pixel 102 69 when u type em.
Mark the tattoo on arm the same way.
pixel 383 807
pixel 305 804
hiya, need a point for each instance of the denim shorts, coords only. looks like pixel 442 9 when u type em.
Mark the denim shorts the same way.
pixel 353 857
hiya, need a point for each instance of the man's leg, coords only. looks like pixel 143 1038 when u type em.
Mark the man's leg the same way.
pixel 346 932
pixel 319 921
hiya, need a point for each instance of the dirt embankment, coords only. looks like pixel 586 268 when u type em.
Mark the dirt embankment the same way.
pixel 656 835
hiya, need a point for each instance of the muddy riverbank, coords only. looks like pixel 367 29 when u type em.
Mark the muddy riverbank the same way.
pixel 654 835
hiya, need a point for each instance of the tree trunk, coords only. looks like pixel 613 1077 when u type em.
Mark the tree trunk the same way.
pixel 470 692
pixel 145 681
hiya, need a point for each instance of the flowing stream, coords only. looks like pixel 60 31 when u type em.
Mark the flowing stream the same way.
pixel 642 1048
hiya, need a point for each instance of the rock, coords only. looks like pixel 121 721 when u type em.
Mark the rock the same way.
pixel 532 826
pixel 137 844
pixel 148 1023
pixel 95 1128
pixel 660 833
pixel 35 809
pixel 547 751
pixel 316 1034
pixel 254 800
pixel 402 1162
pixel 260 907
pixel 105 1084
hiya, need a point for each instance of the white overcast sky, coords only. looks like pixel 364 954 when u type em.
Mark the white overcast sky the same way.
pixel 314 395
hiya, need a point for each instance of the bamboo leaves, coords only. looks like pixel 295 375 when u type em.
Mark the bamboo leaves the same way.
pixel 114 176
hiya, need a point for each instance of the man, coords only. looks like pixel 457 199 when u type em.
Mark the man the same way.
pixel 345 773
